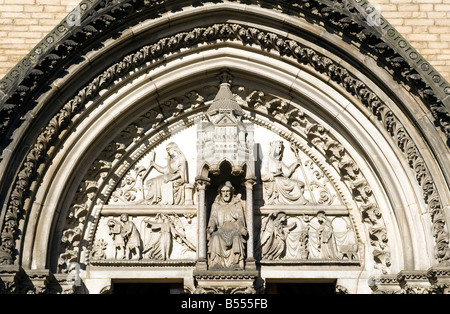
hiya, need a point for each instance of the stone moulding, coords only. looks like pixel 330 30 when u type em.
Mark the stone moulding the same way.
pixel 225 282
pixel 94 18
pixel 143 262
pixel 311 262
pixel 39 153
pixel 435 280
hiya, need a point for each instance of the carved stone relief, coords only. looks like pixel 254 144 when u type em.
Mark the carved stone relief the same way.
pixel 307 237
pixel 282 113
pixel 155 184
pixel 157 237
pixel 126 237
pixel 383 113
pixel 278 185
pixel 158 192
pixel 316 187
pixel 307 183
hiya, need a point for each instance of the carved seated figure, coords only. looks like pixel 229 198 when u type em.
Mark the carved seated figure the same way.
pixel 226 231
pixel 278 186
pixel 168 188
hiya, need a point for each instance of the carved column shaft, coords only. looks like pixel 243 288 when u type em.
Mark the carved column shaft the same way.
pixel 249 213
pixel 201 248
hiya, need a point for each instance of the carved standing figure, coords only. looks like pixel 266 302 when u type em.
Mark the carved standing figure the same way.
pixel 274 233
pixel 159 244
pixel 326 240
pixel 168 189
pixel 279 187
pixel 131 237
pixel 226 230
pixel 115 230
pixel 164 229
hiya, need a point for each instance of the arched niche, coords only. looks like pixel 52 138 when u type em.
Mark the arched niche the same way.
pixel 165 78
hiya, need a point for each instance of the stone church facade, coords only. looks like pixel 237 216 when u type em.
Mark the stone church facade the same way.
pixel 224 147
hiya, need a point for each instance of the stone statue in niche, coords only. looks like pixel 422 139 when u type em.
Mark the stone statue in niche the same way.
pixel 164 229
pixel 168 188
pixel 278 186
pixel 226 230
pixel 127 240
pixel 274 231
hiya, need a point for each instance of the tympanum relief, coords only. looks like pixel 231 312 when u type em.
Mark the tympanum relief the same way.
pixel 297 212
pixel 151 183
pixel 293 199
pixel 158 237
pixel 307 237
pixel 126 237
pixel 278 184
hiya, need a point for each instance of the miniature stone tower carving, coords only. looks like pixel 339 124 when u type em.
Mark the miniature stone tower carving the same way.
pixel 224 137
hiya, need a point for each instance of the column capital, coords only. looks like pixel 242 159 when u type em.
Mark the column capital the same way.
pixel 249 183
pixel 202 182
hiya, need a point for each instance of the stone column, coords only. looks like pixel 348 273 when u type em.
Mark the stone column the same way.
pixel 202 183
pixel 249 215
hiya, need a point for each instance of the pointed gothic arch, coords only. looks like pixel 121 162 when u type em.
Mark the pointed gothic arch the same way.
pixel 94 98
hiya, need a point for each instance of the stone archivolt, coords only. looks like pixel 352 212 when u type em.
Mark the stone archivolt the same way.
pixel 303 54
pixel 349 17
pixel 118 161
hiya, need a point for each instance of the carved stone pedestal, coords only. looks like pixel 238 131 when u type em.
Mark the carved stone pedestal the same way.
pixel 434 281
pixel 440 279
pixel 225 282
pixel 9 277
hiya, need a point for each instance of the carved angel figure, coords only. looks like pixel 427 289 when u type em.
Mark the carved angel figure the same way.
pixel 168 188
pixel 226 230
pixel 164 229
pixel 274 231
pixel 279 187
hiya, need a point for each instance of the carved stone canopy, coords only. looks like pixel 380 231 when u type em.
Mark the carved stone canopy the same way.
pixel 224 136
